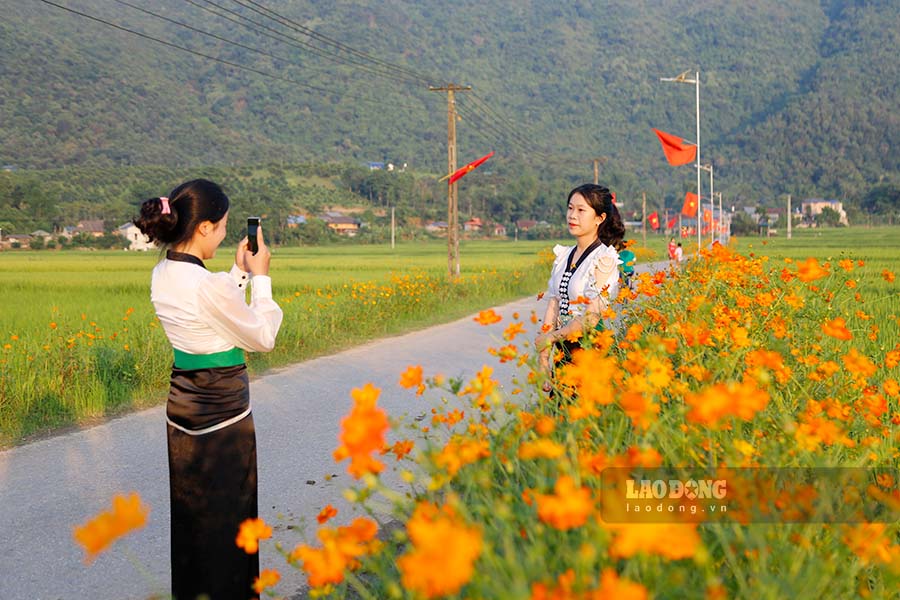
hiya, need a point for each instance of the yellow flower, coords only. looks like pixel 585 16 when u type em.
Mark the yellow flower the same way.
pixel 443 554
pixel 126 515
pixel 249 534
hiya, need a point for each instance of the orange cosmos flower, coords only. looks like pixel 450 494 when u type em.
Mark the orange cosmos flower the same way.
pixel 512 331
pixel 888 276
pixel 568 507
pixel 98 534
pixel 640 409
pixel 326 513
pixel 871 543
pixel 846 264
pixel 891 387
pixel 402 448
pixel 541 448
pixel 488 317
pixel 340 549
pixel 443 554
pixel 362 432
pixel 811 270
pixel 268 578
pixel 460 452
pixel 670 540
pixel 858 364
pixel 611 586
pixel 837 328
pixel 741 400
pixel 412 378
pixel 249 534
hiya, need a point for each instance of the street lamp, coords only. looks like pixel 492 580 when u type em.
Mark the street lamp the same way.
pixel 683 78
pixel 712 207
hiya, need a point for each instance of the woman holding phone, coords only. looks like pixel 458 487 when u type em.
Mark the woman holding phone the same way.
pixel 210 431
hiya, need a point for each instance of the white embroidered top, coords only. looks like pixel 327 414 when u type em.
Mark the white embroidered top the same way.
pixel 596 273
pixel 204 313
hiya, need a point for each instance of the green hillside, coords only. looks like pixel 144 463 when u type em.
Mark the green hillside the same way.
pixel 796 97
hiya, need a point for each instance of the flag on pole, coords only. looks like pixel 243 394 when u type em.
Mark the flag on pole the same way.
pixel 653 220
pixel 676 151
pixel 690 205
pixel 671 223
pixel 463 171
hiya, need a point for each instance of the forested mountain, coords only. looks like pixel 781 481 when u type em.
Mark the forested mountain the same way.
pixel 796 97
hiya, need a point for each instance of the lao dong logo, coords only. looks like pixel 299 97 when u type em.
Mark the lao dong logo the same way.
pixel 692 489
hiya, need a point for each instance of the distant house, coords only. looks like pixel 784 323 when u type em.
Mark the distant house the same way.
pixel 525 224
pixel 45 235
pixel 136 239
pixel 296 220
pixel 436 227
pixel 498 229
pixel 342 225
pixel 92 227
pixel 813 207
pixel 376 166
pixel 19 240
pixel 473 224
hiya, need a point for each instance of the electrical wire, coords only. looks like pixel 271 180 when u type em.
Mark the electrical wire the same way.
pixel 264 11
pixel 293 41
pixel 221 60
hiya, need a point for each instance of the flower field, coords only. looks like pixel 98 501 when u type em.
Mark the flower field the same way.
pixel 739 365
pixel 734 364
pixel 79 339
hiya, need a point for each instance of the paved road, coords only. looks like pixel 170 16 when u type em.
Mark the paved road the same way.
pixel 48 486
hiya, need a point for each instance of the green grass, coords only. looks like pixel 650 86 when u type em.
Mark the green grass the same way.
pixel 79 339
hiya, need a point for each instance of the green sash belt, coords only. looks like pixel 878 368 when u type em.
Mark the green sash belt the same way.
pixel 228 358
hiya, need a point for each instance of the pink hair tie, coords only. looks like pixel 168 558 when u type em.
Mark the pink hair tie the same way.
pixel 165 205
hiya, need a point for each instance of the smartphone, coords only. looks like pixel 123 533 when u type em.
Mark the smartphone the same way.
pixel 252 228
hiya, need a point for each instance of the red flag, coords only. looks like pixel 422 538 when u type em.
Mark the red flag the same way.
pixel 653 219
pixel 459 173
pixel 671 223
pixel 707 216
pixel 690 205
pixel 676 151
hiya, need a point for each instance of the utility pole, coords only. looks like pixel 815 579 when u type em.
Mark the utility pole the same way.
pixel 393 226
pixel 597 162
pixel 452 197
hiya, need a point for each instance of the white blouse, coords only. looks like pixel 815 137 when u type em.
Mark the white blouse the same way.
pixel 596 273
pixel 203 312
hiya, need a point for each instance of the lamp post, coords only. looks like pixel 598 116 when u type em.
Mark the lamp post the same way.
pixel 683 78
pixel 712 206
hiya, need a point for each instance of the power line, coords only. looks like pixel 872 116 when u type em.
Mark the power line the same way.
pixel 262 10
pixel 507 129
pixel 293 41
pixel 219 60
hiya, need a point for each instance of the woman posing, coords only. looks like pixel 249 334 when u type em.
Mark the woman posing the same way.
pixel 211 436
pixel 587 272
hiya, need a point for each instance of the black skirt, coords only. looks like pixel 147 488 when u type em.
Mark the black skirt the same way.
pixel 212 482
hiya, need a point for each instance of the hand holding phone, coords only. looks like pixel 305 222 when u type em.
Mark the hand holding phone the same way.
pixel 252 228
